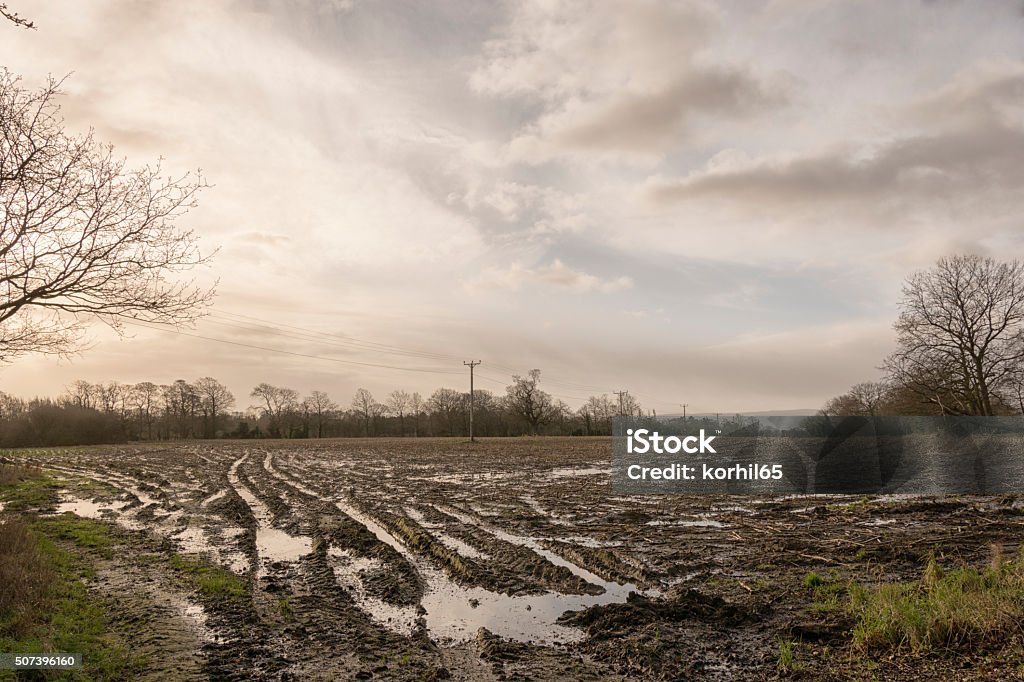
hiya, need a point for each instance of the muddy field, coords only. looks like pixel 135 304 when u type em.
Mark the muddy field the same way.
pixel 506 559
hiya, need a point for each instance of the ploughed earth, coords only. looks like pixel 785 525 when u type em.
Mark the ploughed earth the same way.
pixel 426 559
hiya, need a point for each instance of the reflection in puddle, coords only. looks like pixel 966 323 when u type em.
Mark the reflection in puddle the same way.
pixel 89 509
pixel 347 568
pixel 448 541
pixel 196 540
pixel 272 544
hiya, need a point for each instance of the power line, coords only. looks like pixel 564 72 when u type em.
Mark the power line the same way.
pixel 296 354
pixel 336 339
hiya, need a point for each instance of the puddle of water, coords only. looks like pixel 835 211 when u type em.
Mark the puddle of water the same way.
pixel 467 477
pixel 347 568
pixel 635 500
pixel 448 541
pixel 114 480
pixel 733 508
pixel 213 498
pixel 88 509
pixel 585 541
pixel 195 615
pixel 877 522
pixel 695 523
pixel 565 472
pixel 457 545
pixel 272 544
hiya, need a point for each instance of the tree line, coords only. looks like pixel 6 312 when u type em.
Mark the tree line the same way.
pixel 960 345
pixel 88 413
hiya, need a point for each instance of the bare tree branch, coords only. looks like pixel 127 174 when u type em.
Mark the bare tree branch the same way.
pixel 14 18
pixel 82 236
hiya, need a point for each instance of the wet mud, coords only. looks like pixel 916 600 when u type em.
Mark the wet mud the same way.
pixel 506 559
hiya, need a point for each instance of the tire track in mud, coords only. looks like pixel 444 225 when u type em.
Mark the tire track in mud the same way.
pixel 297 593
pixel 191 528
pixel 455 610
pixel 384 574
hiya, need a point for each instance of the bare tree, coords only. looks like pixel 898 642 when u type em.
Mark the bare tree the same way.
pixel 214 398
pixel 446 403
pixel 961 334
pixel 81 235
pixel 525 399
pixel 320 405
pixel 81 393
pixel 363 405
pixel 10 406
pixel 597 414
pixel 865 399
pixel 144 398
pixel 398 404
pixel 278 406
pixel 181 402
pixel 415 408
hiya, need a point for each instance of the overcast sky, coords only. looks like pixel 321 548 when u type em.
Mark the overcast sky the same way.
pixel 710 203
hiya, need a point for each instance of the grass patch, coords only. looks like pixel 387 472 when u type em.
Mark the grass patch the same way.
pixel 787 656
pixel 50 611
pixel 829 592
pixel 812 579
pixel 31 491
pixel 964 608
pixel 211 581
pixel 83 532
pixel 285 608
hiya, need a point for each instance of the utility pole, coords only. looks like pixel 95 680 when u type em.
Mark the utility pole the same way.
pixel 471 364
pixel 683 405
pixel 620 394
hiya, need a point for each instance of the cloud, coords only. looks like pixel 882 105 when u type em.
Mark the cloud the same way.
pixel 263 238
pixel 964 163
pixel 614 77
pixel 987 93
pixel 556 276
pixel 531 212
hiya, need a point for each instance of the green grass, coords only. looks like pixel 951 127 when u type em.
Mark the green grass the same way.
pixel 964 608
pixel 211 581
pixel 285 608
pixel 829 592
pixel 30 494
pixel 812 579
pixel 787 656
pixel 68 620
pixel 83 532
